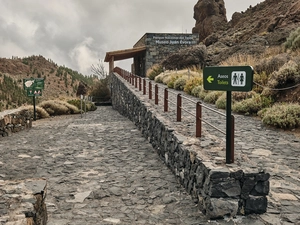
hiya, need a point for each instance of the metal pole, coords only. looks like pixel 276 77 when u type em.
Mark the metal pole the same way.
pixel 156 94
pixel 179 106
pixel 34 109
pixel 198 119
pixel 150 90
pixel 232 139
pixel 144 86
pixel 166 100
pixel 228 128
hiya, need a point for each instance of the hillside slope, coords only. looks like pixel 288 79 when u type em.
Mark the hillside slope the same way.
pixel 60 82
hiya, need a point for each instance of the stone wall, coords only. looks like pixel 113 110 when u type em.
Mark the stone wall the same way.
pixel 12 121
pixel 219 190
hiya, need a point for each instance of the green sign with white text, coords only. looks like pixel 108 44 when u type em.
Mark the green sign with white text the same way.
pixel 33 86
pixel 228 78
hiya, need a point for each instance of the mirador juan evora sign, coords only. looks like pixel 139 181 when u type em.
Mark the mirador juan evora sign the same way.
pixel 228 78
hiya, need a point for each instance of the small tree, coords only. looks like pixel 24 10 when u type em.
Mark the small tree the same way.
pixel 99 70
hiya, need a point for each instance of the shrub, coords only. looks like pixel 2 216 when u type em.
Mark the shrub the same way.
pixel 221 102
pixel 252 105
pixel 179 84
pixel 154 71
pixel 287 75
pixel 172 80
pixel 197 90
pixel 41 113
pixel 282 115
pixel 191 83
pixel 54 107
pixel 203 94
pixel 239 96
pixel 212 97
pixel 293 41
pixel 100 90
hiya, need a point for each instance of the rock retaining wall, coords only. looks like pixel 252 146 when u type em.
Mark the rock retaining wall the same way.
pixel 12 121
pixel 219 190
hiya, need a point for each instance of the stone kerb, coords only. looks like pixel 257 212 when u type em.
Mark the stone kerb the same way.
pixel 219 191
pixel 12 121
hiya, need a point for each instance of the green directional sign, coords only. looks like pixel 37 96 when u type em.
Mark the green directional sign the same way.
pixel 33 86
pixel 228 78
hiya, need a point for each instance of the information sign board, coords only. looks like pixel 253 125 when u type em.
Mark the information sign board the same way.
pixel 228 78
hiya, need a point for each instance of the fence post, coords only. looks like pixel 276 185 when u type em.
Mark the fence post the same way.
pixel 150 90
pixel 198 119
pixel 140 83
pixel 144 86
pixel 135 81
pixel 232 139
pixel 156 94
pixel 166 100
pixel 179 106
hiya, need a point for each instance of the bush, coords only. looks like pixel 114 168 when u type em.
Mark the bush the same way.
pixel 203 94
pixel 77 102
pixel 282 115
pixel 100 90
pixel 154 71
pixel 293 41
pixel 221 102
pixel 179 84
pixel 191 83
pixel 172 80
pixel 286 76
pixel 212 97
pixel 197 90
pixel 54 107
pixel 252 105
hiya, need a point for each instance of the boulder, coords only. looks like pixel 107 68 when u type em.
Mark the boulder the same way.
pixel 210 16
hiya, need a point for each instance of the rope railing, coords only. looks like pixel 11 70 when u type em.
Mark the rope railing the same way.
pixel 175 99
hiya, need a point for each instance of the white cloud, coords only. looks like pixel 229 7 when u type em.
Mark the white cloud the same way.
pixel 78 33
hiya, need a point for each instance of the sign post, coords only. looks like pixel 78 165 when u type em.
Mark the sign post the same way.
pixel 34 87
pixel 228 78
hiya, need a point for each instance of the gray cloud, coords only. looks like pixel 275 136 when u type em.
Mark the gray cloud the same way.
pixel 77 33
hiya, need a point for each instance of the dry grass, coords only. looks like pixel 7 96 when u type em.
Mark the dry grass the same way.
pixel 55 107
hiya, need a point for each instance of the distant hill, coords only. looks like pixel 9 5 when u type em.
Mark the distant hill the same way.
pixel 60 82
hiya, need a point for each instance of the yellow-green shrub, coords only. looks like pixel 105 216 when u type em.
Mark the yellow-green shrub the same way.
pixel 179 84
pixel 191 83
pixel 212 97
pixel 252 105
pixel 282 115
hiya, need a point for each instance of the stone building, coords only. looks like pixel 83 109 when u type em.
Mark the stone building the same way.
pixel 152 48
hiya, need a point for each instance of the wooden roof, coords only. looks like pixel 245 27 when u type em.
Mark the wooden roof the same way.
pixel 124 54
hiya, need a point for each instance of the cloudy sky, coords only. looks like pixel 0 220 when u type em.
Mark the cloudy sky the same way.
pixel 78 33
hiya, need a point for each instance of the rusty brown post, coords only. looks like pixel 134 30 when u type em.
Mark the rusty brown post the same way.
pixel 198 119
pixel 140 83
pixel 156 94
pixel 144 86
pixel 136 81
pixel 150 90
pixel 166 100
pixel 232 139
pixel 179 106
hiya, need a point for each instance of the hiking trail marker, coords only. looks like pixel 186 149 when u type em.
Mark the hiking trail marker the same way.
pixel 34 88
